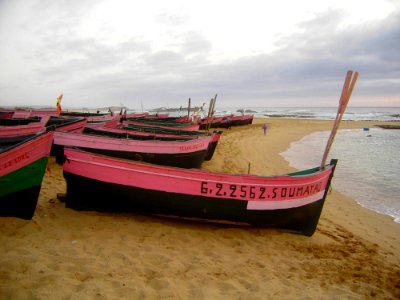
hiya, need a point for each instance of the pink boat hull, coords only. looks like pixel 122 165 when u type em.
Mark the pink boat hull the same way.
pixel 22 130
pixel 188 127
pixel 291 202
pixel 185 154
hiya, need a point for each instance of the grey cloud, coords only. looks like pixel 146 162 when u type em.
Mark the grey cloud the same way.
pixel 194 42
pixel 169 19
pixel 309 66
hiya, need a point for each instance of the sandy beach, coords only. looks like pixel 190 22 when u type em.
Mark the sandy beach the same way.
pixel 66 254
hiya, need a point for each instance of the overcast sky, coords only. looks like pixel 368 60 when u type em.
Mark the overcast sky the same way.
pixel 160 53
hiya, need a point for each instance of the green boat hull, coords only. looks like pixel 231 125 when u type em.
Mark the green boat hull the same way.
pixel 19 190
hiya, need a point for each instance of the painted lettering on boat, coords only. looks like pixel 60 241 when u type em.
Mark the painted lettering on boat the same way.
pixel 236 191
pixel 192 147
pixel 14 161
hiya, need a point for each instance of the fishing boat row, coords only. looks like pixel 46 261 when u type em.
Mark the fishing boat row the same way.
pixel 152 170
pixel 22 140
pixel 291 202
pixel 160 120
pixel 175 147
pixel 157 171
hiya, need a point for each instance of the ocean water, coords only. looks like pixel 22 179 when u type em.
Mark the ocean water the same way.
pixel 369 164
pixel 324 113
pixel 318 113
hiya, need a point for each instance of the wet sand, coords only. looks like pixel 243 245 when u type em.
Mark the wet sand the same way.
pixel 67 254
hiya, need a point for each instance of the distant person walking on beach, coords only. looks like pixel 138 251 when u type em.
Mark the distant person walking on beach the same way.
pixel 265 127
pixel 228 122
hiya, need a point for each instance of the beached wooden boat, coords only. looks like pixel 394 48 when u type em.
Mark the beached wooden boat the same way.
pixel 110 121
pixel 22 167
pixel 22 114
pixel 181 119
pixel 161 136
pixel 27 113
pixel 389 126
pixel 210 122
pixel 22 126
pixel 165 125
pixel 292 202
pixel 83 114
pixel 159 130
pixel 70 124
pixel 159 115
pixel 185 154
pixel 5 114
pixel 15 130
pixel 163 118
pixel 44 112
pixel 145 115
pixel 134 115
pixel 95 119
pixel 139 135
pixel 224 121
pixel 233 120
pixel 162 121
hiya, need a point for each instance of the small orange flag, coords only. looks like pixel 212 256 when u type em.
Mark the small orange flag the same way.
pixel 59 103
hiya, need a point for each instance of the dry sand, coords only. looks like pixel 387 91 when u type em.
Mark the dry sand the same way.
pixel 67 254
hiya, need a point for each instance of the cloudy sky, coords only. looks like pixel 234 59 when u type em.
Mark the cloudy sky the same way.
pixel 160 53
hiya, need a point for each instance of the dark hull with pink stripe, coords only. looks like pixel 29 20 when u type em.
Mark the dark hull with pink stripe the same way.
pixel 88 194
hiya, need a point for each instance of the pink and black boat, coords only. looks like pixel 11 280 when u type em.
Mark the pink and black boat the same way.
pixel 134 115
pixel 15 130
pixel 177 135
pixel 291 202
pixel 162 125
pixel 22 167
pixel 140 135
pixel 44 112
pixel 110 121
pixel 161 118
pixel 70 124
pixel 84 114
pixel 233 120
pixel 224 121
pixel 5 114
pixel 159 130
pixel 22 127
pixel 95 119
pixel 210 122
pixel 184 154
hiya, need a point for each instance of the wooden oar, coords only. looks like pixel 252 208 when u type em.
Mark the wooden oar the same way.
pixel 347 90
pixel 211 113
pixel 188 109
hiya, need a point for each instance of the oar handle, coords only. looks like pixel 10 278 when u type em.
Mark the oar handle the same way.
pixel 347 90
